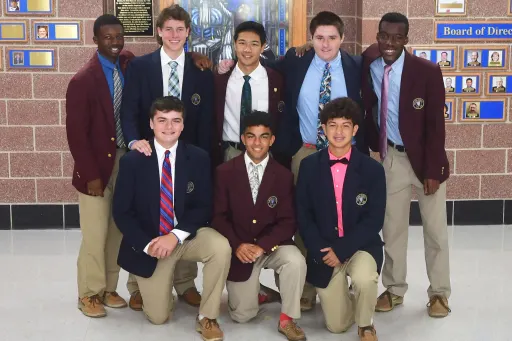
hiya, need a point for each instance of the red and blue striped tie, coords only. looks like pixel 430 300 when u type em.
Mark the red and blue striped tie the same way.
pixel 166 198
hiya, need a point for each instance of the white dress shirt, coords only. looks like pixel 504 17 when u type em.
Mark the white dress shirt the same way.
pixel 261 170
pixel 233 103
pixel 160 154
pixel 166 69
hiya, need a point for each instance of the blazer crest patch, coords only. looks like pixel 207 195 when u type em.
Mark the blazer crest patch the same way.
pixel 361 199
pixel 190 187
pixel 272 202
pixel 196 99
pixel 418 103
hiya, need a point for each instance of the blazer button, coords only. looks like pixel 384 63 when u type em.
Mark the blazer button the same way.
pixel 112 139
pixel 109 155
pixel 254 221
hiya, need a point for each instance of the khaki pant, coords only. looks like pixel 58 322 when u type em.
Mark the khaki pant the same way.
pixel 97 267
pixel 399 179
pixel 337 304
pixel 289 264
pixel 309 290
pixel 208 247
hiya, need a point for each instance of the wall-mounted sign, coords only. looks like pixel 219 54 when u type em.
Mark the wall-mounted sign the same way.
pixel 56 31
pixel 31 59
pixel 450 7
pixel 472 30
pixel 13 31
pixel 445 57
pixel 498 84
pixel 136 16
pixel 485 56
pixel 478 109
pixel 449 110
pixel 29 7
pixel 462 84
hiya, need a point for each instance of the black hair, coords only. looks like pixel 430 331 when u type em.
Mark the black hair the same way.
pixel 103 20
pixel 343 107
pixel 258 118
pixel 251 26
pixel 469 79
pixel 395 18
pixel 166 104
pixel 327 18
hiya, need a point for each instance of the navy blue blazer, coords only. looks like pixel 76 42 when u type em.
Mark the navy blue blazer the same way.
pixel 294 69
pixel 136 205
pixel 363 207
pixel 144 84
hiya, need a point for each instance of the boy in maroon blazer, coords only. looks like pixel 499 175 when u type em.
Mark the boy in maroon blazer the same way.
pixel 93 102
pixel 254 210
pixel 404 97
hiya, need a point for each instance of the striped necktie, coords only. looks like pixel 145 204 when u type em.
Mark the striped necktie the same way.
pixel 325 97
pixel 166 197
pixel 118 94
pixel 174 81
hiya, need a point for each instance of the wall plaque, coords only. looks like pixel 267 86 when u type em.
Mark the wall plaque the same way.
pixel 472 30
pixel 13 31
pixel 498 84
pixel 56 31
pixel 29 7
pixel 462 84
pixel 31 59
pixel 136 16
pixel 478 109
pixel 484 56
pixel 445 56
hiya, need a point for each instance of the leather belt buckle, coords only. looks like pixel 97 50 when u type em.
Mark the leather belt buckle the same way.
pixel 398 147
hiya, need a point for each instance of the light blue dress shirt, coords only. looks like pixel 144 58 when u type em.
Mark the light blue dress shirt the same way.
pixel 395 78
pixel 108 70
pixel 309 96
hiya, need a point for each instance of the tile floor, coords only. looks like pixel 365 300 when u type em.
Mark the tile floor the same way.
pixel 38 296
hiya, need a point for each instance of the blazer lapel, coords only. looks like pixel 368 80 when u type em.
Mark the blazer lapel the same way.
pixel 350 74
pixel 267 183
pixel 327 185
pixel 350 186
pixel 273 92
pixel 157 85
pixel 242 180
pixel 154 186
pixel 188 85
pixel 406 84
pixel 181 179
pixel 102 90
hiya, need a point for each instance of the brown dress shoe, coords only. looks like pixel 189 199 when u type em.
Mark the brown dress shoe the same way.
pixel 292 331
pixel 209 329
pixel 367 333
pixel 192 297
pixel 113 300
pixel 92 306
pixel 388 301
pixel 438 306
pixel 306 304
pixel 136 301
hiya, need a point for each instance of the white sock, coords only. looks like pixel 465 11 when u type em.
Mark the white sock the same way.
pixel 201 317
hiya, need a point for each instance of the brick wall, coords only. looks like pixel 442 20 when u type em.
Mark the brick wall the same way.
pixel 35 165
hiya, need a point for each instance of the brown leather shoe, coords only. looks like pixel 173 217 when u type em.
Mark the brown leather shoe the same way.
pixel 113 300
pixel 438 306
pixel 292 331
pixel 209 329
pixel 306 304
pixel 92 306
pixel 192 297
pixel 367 333
pixel 388 301
pixel 136 301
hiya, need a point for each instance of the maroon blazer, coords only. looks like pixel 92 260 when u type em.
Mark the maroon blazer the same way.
pixel 269 223
pixel 275 107
pixel 90 123
pixel 421 119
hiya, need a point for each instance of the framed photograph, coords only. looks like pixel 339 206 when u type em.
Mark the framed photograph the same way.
pixel 462 84
pixel 450 110
pixel 484 57
pixel 445 56
pixel 478 109
pixel 29 59
pixel 446 8
pixel 498 84
pixel 29 7
pixel 57 31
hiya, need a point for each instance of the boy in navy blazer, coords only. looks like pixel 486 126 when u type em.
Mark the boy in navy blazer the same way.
pixel 341 200
pixel 161 205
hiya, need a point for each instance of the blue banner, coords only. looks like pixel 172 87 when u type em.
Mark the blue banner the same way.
pixel 501 30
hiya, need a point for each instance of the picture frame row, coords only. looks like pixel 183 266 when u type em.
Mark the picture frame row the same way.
pixel 475 110
pixel 458 8
pixel 465 57
pixel 471 84
pixel 42 31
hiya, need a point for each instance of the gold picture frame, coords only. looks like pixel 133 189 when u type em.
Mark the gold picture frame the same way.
pixel 449 5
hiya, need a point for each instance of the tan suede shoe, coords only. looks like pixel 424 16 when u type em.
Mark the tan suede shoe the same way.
pixel 388 301
pixel 113 300
pixel 209 329
pixel 306 304
pixel 191 297
pixel 92 306
pixel 136 301
pixel 367 334
pixel 438 306
pixel 292 331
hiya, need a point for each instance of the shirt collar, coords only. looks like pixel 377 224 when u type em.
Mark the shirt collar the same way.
pixel 398 64
pixel 320 63
pixel 107 63
pixel 160 150
pixel 258 73
pixel 347 155
pixel 248 161
pixel 166 59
